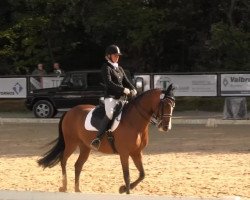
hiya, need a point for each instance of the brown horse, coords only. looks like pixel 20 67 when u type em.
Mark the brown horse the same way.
pixel 130 137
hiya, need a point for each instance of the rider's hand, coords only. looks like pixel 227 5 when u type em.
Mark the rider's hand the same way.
pixel 133 92
pixel 126 91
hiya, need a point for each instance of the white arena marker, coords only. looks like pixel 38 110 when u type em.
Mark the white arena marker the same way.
pixel 28 195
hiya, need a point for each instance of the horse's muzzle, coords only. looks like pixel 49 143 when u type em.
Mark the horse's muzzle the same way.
pixel 164 128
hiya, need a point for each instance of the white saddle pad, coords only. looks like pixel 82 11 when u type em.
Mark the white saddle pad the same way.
pixel 88 126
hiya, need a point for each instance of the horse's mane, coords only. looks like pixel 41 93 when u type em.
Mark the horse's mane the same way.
pixel 135 100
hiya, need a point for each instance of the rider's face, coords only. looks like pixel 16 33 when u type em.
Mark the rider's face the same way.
pixel 114 58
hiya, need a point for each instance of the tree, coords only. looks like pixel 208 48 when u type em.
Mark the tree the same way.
pixel 154 35
pixel 230 41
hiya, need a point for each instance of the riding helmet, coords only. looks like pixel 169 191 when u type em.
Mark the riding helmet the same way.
pixel 113 49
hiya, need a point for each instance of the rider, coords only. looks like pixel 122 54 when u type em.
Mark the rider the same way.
pixel 117 85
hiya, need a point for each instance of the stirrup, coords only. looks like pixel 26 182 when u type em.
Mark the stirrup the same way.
pixel 95 144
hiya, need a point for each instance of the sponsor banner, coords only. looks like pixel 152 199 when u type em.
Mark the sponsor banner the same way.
pixel 188 85
pixel 235 84
pixel 45 82
pixel 13 88
pixel 35 83
pixel 48 82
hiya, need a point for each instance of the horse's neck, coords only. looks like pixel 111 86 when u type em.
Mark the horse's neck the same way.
pixel 150 101
pixel 143 109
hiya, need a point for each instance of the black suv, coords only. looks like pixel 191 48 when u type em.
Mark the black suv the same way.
pixel 77 87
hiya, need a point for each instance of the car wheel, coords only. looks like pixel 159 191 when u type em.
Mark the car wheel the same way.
pixel 43 109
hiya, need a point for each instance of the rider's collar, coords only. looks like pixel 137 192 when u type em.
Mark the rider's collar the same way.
pixel 115 65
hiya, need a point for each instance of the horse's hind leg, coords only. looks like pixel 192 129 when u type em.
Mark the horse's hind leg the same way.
pixel 83 156
pixel 137 158
pixel 69 149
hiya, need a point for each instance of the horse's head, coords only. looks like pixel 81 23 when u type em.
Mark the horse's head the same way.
pixel 156 105
pixel 165 110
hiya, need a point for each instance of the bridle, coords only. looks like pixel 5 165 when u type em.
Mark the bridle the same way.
pixel 159 115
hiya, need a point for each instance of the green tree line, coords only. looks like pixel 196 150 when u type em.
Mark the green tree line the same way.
pixel 154 35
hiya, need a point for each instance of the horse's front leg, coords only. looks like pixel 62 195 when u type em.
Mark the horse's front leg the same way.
pixel 137 158
pixel 126 176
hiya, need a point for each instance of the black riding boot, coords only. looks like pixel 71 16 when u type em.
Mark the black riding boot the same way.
pixel 95 144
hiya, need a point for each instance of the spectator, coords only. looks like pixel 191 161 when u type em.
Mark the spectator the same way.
pixel 57 69
pixel 39 71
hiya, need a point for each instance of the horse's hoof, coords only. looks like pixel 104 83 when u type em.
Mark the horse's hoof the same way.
pixel 77 190
pixel 62 189
pixel 122 189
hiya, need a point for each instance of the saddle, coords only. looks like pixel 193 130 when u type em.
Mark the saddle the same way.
pixel 94 118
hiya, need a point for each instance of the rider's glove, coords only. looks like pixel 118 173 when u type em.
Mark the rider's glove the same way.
pixel 133 92
pixel 126 91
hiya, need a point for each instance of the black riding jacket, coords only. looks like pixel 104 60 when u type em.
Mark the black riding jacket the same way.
pixel 115 81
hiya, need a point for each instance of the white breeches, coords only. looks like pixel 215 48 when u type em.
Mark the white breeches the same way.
pixel 110 104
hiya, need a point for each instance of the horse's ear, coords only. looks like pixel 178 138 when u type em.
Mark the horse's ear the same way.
pixel 170 88
pixel 169 91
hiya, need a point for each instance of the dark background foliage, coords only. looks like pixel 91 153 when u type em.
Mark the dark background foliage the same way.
pixel 154 35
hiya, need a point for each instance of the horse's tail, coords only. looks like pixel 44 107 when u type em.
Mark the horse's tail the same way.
pixel 54 155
